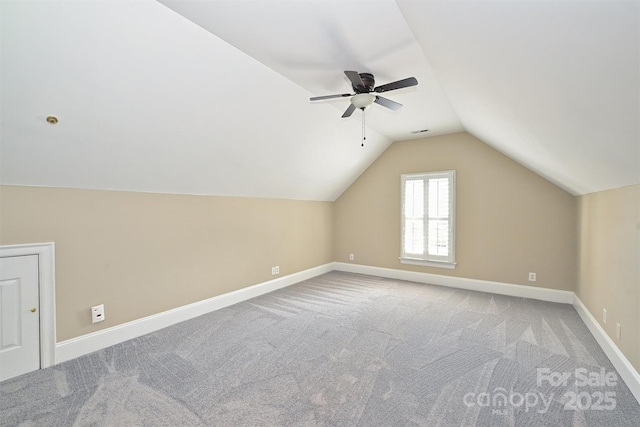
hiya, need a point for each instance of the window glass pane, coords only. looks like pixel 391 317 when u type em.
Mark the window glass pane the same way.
pixel 439 198
pixel 414 236
pixel 414 199
pixel 439 237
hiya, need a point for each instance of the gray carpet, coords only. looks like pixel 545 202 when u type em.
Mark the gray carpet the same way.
pixel 340 350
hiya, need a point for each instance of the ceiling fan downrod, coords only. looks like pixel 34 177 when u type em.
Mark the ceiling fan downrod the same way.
pixel 364 137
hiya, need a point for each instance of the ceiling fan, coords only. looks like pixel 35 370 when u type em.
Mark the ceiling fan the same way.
pixel 363 85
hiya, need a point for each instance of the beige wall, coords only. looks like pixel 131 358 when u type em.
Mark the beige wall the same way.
pixel 509 222
pixel 609 263
pixel 141 254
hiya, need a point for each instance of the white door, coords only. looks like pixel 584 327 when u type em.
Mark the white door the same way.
pixel 19 316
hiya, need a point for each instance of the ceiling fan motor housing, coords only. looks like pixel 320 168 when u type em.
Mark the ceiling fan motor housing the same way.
pixel 369 83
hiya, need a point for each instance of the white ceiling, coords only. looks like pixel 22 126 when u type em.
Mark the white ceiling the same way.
pixel 150 101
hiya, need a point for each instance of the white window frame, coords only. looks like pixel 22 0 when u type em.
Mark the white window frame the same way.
pixel 426 259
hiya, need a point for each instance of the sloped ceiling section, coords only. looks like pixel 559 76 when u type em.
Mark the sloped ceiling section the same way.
pixel 312 43
pixel 148 101
pixel 553 84
pixel 212 97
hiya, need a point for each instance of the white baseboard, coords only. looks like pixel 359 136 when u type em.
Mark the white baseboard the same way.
pixel 76 347
pixel 626 370
pixel 544 294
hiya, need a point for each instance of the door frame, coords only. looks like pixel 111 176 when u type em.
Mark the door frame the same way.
pixel 46 292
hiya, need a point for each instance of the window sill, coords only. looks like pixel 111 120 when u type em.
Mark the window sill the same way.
pixel 425 263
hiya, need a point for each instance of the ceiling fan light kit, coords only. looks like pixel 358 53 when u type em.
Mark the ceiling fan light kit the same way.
pixel 363 100
pixel 363 85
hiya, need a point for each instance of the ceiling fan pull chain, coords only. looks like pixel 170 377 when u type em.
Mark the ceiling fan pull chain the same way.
pixel 363 134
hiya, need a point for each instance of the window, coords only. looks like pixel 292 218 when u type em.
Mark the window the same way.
pixel 428 219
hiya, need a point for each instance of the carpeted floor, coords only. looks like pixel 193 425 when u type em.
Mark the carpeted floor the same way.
pixel 341 350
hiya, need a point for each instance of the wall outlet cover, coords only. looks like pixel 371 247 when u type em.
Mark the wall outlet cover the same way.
pixel 97 313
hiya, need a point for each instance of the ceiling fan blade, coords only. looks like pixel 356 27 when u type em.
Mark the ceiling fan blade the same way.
pixel 349 111
pixel 355 78
pixel 318 98
pixel 393 105
pixel 408 82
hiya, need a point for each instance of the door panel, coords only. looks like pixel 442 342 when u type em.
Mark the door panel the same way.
pixel 19 316
pixel 9 314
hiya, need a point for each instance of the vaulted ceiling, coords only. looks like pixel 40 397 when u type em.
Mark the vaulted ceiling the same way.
pixel 212 97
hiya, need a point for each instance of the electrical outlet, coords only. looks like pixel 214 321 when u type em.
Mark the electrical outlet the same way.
pixel 604 315
pixel 97 313
pixel 351 257
pixel 618 331
pixel 275 270
pixel 532 277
